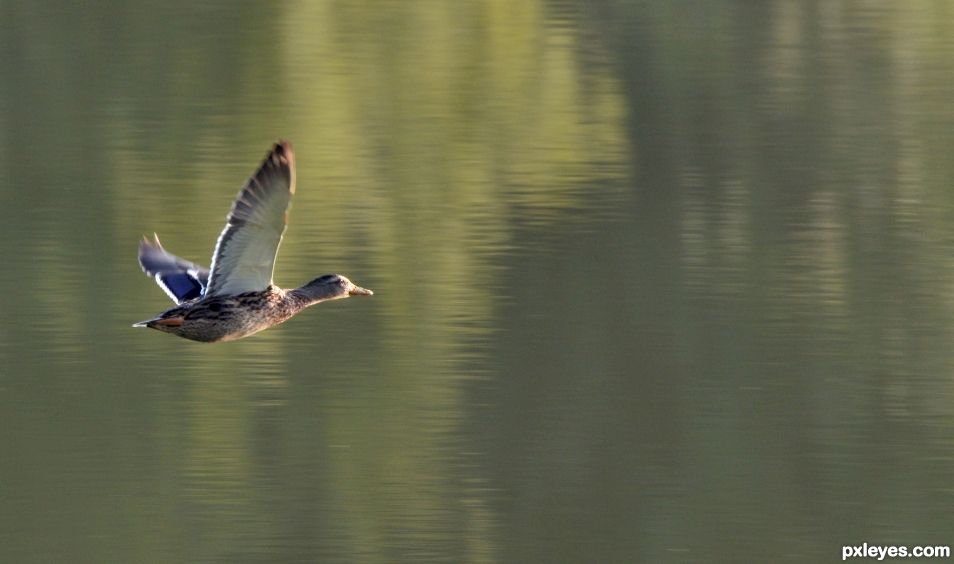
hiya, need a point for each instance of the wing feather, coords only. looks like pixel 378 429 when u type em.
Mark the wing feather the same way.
pixel 244 256
pixel 180 279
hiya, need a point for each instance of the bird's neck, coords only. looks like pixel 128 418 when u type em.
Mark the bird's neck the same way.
pixel 309 295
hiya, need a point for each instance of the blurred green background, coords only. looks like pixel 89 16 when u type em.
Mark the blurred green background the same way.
pixel 654 281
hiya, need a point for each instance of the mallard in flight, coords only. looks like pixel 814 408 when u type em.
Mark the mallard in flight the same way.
pixel 237 297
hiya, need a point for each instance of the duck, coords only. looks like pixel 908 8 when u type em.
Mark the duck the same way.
pixel 237 296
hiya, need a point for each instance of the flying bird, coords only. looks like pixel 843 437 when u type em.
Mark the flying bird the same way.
pixel 236 297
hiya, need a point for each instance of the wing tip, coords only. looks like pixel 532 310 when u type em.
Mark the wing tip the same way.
pixel 283 155
pixel 146 243
pixel 146 246
pixel 282 152
pixel 284 146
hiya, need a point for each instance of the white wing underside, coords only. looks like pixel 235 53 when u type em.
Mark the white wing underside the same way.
pixel 244 256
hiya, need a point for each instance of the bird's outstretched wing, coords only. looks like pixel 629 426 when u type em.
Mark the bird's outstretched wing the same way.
pixel 180 279
pixel 244 256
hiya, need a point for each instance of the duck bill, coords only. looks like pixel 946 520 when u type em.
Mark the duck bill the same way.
pixel 359 291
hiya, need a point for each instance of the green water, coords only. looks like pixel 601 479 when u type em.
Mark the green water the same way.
pixel 654 281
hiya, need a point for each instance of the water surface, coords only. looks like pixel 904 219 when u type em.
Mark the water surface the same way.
pixel 654 282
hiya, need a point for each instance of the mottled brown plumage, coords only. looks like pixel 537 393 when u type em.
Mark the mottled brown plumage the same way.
pixel 236 297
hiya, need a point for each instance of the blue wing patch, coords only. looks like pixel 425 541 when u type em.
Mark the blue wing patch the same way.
pixel 181 286
pixel 180 279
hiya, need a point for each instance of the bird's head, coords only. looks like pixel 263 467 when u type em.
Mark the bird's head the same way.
pixel 333 287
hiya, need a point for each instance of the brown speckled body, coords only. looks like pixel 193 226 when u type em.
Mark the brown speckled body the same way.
pixel 227 318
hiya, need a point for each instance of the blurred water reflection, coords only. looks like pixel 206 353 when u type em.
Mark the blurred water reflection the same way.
pixel 657 282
